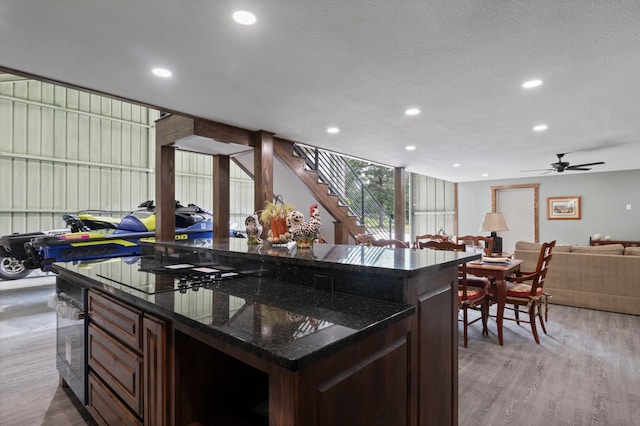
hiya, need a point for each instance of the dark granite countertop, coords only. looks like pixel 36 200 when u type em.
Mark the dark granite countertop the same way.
pixel 373 272
pixel 353 258
pixel 287 324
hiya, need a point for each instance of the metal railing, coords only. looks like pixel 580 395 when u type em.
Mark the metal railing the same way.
pixel 352 192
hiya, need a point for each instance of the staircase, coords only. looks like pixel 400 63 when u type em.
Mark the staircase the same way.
pixel 336 187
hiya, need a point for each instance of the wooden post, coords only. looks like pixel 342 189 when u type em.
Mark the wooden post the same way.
pixel 399 214
pixel 169 129
pixel 165 193
pixel 221 197
pixel 263 169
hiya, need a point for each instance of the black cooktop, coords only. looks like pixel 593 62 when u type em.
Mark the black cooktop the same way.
pixel 182 277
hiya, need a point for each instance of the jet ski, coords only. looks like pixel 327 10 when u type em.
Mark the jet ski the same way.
pixel 96 237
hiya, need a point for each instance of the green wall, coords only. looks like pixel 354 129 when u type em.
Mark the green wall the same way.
pixel 605 196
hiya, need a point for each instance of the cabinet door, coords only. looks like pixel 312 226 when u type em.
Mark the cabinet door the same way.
pixel 105 408
pixel 154 343
pixel 117 365
pixel 118 319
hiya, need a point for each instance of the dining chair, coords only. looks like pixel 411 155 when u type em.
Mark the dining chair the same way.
pixel 370 240
pixel 364 239
pixel 428 237
pixel 469 297
pixel 393 243
pixel 526 289
pixel 440 245
pixel 477 241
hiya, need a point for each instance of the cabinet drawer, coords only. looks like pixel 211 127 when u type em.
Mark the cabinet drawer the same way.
pixel 118 366
pixel 121 321
pixel 105 408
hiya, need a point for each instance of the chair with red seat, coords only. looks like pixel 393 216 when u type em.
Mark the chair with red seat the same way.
pixel 477 241
pixel 527 289
pixel 469 297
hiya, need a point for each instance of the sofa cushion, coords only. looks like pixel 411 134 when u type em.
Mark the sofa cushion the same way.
pixel 524 245
pixel 632 251
pixel 604 249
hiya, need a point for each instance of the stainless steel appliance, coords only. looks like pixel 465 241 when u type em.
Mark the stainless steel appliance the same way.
pixel 71 346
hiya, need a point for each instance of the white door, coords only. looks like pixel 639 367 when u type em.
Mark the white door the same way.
pixel 517 206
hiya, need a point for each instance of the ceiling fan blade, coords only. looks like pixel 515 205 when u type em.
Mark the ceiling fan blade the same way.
pixel 576 168
pixel 603 144
pixel 585 165
pixel 537 170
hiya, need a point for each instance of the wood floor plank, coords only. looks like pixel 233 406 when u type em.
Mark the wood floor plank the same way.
pixel 30 392
pixel 584 372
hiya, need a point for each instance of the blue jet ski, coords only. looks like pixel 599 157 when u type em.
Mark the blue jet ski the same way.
pixel 97 237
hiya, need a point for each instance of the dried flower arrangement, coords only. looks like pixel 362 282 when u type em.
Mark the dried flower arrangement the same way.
pixel 275 214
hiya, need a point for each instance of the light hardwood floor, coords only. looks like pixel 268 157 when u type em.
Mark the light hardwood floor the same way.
pixel 585 372
pixel 29 387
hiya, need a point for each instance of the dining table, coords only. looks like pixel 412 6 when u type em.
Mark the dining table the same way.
pixel 499 271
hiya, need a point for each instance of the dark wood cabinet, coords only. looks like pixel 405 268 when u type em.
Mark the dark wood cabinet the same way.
pixel 117 365
pixel 127 363
pixel 155 361
pixel 106 408
pixel 367 383
pixel 121 321
pixel 348 335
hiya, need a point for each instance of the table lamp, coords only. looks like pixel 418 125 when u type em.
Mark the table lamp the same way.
pixel 493 222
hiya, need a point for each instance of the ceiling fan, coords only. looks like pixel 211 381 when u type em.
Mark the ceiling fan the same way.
pixel 560 166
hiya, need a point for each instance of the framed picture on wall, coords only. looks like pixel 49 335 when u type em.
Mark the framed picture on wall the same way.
pixel 563 208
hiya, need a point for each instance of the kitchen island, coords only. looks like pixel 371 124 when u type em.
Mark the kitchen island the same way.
pixel 238 334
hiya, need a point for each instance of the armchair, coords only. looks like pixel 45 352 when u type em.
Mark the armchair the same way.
pixel 527 289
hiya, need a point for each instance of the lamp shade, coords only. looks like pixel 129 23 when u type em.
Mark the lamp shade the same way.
pixel 493 222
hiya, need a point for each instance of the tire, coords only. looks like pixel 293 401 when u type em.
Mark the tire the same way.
pixel 12 269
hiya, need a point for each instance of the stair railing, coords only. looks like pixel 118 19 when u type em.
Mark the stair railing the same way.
pixel 352 192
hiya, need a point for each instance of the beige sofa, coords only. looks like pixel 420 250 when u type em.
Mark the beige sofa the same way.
pixel 604 277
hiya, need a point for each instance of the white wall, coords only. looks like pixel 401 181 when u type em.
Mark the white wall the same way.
pixel 603 203
pixel 293 191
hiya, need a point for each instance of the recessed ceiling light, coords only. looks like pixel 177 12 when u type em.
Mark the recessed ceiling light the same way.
pixel 531 84
pixel 412 111
pixel 540 127
pixel 455 165
pixel 243 17
pixel 485 174
pixel 410 148
pixel 333 130
pixel 161 72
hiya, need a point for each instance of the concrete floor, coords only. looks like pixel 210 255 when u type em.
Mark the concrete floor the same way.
pixel 23 304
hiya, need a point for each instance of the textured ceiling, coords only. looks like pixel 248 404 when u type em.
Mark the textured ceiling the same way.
pixel 357 65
